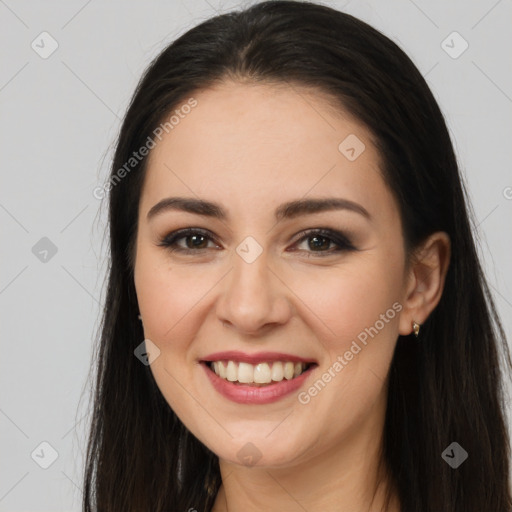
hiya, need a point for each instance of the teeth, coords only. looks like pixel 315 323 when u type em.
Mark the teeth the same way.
pixel 288 370
pixel 261 373
pixel 277 372
pixel 221 370
pixel 231 371
pixel 245 373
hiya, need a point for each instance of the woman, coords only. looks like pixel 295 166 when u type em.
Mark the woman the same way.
pixel 296 317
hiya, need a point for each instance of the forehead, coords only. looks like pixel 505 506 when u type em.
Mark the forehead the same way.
pixel 265 144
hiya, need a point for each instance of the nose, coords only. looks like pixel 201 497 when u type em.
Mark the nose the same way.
pixel 254 297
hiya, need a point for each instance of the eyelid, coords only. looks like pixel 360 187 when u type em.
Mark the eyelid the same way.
pixel 334 235
pixel 341 241
pixel 183 233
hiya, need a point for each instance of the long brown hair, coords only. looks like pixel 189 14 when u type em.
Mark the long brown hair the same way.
pixel 446 388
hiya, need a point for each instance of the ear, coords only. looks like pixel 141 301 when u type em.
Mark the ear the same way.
pixel 424 281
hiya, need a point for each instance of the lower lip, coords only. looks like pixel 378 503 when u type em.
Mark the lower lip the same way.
pixel 247 394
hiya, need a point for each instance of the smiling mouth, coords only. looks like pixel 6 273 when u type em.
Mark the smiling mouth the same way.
pixel 258 375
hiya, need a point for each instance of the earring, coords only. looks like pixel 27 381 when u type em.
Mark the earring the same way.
pixel 416 328
pixel 140 317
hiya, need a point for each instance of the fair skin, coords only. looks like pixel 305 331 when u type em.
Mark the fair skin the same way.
pixel 251 148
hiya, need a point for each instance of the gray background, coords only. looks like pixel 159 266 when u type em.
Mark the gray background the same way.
pixel 60 116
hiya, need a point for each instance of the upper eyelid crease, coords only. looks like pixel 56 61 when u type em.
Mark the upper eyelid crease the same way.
pixel 287 210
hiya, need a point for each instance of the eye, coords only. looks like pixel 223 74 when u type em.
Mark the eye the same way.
pixel 318 239
pixel 196 240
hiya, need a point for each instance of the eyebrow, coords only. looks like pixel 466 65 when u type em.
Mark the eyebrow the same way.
pixel 287 210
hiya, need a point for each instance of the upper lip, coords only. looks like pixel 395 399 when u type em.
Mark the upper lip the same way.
pixel 257 357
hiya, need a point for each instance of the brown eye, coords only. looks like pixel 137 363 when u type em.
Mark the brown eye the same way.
pixel 320 241
pixel 195 240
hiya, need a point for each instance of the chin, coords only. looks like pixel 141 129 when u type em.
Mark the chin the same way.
pixel 259 452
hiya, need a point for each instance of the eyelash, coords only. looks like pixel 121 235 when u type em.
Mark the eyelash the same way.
pixel 336 237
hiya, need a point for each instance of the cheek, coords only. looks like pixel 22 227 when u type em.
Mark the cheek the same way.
pixel 170 300
pixel 356 320
pixel 346 303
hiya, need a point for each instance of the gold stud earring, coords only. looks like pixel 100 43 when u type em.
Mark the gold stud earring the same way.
pixel 416 328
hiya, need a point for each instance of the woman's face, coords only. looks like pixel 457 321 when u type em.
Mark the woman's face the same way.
pixel 256 296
